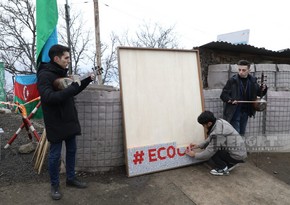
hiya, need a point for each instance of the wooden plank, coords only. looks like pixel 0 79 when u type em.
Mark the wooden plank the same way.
pixel 161 98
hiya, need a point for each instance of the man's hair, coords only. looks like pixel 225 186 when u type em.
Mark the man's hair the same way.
pixel 205 117
pixel 57 50
pixel 244 63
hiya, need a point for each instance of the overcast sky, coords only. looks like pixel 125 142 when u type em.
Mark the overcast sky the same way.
pixel 196 22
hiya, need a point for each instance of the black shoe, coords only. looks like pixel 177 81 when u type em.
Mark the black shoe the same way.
pixel 220 172
pixel 55 194
pixel 76 183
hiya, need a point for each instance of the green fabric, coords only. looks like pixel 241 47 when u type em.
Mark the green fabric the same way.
pixel 46 21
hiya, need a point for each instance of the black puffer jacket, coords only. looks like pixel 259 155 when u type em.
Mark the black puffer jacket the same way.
pixel 231 91
pixel 59 111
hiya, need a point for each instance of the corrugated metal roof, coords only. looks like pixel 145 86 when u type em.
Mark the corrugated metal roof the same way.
pixel 244 48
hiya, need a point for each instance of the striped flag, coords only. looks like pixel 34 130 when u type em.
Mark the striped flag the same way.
pixel 46 33
pixel 25 90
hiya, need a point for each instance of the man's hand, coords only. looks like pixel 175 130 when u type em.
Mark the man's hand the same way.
pixel 193 146
pixel 92 76
pixel 190 153
pixel 233 101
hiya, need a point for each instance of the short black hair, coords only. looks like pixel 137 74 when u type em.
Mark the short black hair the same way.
pixel 245 63
pixel 205 117
pixel 57 50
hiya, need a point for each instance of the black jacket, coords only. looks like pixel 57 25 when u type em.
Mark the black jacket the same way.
pixel 59 111
pixel 231 91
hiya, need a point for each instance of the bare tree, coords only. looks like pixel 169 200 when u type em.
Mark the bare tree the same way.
pixel 151 36
pixel 17 36
pixel 110 75
pixel 18 39
pixel 80 39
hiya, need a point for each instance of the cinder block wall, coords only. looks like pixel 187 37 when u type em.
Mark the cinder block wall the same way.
pixel 273 123
pixel 277 76
pixel 100 147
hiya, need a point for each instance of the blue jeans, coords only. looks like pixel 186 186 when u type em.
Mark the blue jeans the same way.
pixel 54 160
pixel 239 121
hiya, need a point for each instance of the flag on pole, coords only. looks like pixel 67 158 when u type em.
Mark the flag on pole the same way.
pixel 46 33
pixel 25 90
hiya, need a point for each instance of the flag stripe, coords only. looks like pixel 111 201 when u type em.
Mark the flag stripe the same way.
pixel 46 21
pixel 52 40
pixel 25 79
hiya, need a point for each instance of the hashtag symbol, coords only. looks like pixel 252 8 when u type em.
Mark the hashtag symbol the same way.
pixel 138 157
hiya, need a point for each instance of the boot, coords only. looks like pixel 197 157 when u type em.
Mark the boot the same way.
pixel 76 183
pixel 55 194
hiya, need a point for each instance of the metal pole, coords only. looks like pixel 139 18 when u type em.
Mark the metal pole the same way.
pixel 98 42
pixel 67 20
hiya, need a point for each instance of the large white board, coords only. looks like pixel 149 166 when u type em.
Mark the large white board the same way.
pixel 161 99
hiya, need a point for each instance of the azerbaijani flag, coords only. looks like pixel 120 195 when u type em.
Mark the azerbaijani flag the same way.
pixel 25 90
pixel 46 34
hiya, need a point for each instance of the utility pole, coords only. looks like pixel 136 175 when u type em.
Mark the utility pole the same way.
pixel 67 20
pixel 98 42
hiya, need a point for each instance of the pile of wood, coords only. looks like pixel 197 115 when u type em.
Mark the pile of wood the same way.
pixel 41 152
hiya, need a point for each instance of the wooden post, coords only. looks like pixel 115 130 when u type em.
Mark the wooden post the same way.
pixel 67 20
pixel 98 42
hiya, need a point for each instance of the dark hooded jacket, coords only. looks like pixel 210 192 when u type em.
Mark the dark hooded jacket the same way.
pixel 232 91
pixel 58 106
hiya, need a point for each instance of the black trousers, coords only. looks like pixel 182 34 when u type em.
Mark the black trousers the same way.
pixel 222 159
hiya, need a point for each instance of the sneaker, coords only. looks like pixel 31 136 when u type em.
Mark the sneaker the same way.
pixel 232 166
pixel 220 172
pixel 76 183
pixel 55 194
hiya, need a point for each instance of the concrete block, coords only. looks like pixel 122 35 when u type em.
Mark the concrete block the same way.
pixel 283 77
pixel 218 75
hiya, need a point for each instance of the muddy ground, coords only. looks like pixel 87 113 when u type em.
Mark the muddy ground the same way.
pixel 18 168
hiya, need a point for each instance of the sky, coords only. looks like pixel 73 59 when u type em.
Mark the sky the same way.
pixel 195 22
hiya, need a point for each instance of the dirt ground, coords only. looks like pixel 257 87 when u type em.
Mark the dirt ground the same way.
pixel 18 168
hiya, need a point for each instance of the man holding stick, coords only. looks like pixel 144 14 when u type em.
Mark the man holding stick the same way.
pixel 241 87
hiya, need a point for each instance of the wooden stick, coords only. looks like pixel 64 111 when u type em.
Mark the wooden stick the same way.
pixel 40 149
pixel 43 156
pixel 245 101
pixel 38 145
